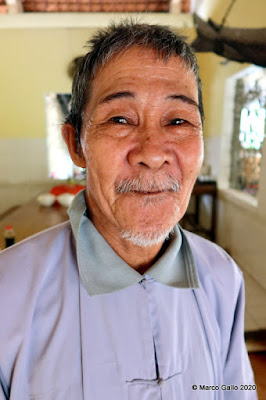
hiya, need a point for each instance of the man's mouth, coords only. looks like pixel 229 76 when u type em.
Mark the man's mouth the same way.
pixel 150 192
pixel 152 186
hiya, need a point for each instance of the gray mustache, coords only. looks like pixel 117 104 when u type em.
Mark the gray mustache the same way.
pixel 166 183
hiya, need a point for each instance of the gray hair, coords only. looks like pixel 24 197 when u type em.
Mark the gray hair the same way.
pixel 118 38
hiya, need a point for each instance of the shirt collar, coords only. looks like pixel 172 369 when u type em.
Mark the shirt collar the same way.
pixel 102 270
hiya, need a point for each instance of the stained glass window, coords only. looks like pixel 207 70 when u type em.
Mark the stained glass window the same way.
pixel 252 126
pixel 249 134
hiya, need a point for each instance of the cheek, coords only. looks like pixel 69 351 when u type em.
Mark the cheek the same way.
pixel 191 158
pixel 104 165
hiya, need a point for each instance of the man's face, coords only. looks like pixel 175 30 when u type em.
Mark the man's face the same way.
pixel 141 135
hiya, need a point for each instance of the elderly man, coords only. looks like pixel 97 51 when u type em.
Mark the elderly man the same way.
pixel 120 303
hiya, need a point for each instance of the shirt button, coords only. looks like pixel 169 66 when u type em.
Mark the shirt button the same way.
pixel 143 281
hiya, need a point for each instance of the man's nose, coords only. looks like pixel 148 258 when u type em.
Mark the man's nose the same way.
pixel 151 151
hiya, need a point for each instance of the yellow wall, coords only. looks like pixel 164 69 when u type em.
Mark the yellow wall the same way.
pixel 33 62
pixel 243 14
pixel 213 74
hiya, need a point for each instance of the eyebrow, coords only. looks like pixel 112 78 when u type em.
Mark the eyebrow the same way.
pixel 132 95
pixel 117 95
pixel 183 98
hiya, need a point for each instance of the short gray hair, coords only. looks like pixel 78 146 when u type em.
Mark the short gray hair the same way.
pixel 115 39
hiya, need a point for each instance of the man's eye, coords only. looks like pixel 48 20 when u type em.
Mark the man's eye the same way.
pixel 118 120
pixel 177 121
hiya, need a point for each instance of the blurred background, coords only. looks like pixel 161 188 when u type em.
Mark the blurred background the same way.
pixel 39 42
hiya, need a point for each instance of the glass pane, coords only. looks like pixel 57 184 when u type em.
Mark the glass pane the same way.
pixel 249 134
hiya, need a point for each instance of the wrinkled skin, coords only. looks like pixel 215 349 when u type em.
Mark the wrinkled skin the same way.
pixel 142 121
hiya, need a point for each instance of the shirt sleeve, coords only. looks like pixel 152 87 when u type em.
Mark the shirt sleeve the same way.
pixel 237 368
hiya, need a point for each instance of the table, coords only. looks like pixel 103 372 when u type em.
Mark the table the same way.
pixel 31 218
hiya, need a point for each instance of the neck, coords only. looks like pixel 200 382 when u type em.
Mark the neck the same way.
pixel 137 257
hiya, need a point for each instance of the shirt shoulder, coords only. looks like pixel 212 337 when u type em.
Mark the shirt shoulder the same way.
pixel 221 283
pixel 213 263
pixel 40 240
pixel 30 260
pixel 38 283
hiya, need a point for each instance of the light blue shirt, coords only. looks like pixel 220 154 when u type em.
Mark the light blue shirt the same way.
pixel 146 341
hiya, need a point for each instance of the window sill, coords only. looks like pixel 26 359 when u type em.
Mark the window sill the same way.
pixel 240 199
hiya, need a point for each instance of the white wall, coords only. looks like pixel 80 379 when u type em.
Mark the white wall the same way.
pixel 241 230
pixel 23 160
pixel 23 170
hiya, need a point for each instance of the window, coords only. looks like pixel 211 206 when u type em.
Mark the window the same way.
pixel 249 132
pixel 60 165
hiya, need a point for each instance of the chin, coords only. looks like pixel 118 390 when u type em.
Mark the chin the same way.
pixel 148 226
pixel 146 239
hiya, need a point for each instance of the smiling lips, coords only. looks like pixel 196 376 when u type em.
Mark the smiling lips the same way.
pixel 150 192
pixel 154 185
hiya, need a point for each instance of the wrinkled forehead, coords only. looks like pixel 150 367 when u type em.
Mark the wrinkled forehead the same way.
pixel 140 65
pixel 140 53
pixel 142 76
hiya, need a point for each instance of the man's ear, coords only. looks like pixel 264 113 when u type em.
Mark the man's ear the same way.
pixel 69 136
